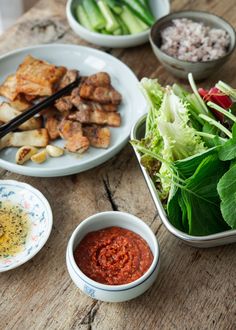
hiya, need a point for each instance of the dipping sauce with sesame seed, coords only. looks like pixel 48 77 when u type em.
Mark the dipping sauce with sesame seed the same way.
pixel 14 229
pixel 113 256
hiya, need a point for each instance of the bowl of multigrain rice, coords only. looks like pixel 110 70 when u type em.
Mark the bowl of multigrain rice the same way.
pixel 192 41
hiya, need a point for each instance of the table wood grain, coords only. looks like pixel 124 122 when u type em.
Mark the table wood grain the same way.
pixel 195 289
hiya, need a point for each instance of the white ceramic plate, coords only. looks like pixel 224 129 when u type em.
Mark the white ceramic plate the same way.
pixel 159 8
pixel 40 215
pixel 88 61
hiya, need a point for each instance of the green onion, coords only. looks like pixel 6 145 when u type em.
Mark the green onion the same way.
pixel 111 22
pixel 118 32
pixel 216 124
pixel 94 14
pixel 140 11
pixel 115 6
pixel 131 21
pixel 82 17
pixel 123 26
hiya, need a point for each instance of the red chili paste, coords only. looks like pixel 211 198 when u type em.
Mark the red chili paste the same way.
pixel 113 256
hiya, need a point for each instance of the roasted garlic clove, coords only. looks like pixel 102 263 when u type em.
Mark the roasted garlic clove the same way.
pixel 54 151
pixel 24 154
pixel 40 157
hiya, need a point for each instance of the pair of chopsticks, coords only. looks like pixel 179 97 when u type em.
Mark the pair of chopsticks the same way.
pixel 23 117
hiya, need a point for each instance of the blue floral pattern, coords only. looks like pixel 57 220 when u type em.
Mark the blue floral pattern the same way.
pixel 35 206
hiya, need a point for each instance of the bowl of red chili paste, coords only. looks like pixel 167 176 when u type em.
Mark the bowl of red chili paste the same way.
pixel 113 256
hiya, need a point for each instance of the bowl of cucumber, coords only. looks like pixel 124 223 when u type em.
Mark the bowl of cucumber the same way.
pixel 115 23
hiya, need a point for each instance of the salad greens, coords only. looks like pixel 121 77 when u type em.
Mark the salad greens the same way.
pixel 189 150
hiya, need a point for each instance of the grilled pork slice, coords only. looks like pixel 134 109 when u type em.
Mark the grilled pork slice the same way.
pixel 72 132
pixel 99 137
pixel 7 113
pixel 52 124
pixel 64 104
pixel 100 94
pixel 81 104
pixel 96 117
pixel 99 79
pixel 68 78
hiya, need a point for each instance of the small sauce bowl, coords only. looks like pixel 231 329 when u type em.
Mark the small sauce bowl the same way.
pixel 180 68
pixel 39 213
pixel 112 293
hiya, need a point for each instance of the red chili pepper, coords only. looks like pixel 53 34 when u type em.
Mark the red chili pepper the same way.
pixel 219 98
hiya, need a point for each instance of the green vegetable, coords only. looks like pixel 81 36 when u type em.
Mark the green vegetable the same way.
pixel 82 17
pixel 228 149
pixel 111 22
pixel 115 6
pixel 186 167
pixel 168 134
pixel 94 14
pixel 145 3
pixel 226 89
pixel 118 32
pixel 140 11
pixel 196 181
pixel 180 139
pixel 227 192
pixel 123 26
pixel 131 21
pixel 173 208
pixel 200 197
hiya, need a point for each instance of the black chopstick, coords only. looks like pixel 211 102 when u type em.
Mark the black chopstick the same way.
pixel 23 117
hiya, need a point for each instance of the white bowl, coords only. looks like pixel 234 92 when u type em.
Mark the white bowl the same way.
pixel 40 215
pixel 159 8
pixel 112 293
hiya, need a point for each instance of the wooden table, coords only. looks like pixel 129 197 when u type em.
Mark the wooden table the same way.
pixel 195 289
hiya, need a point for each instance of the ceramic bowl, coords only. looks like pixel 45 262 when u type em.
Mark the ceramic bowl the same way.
pixel 159 9
pixel 179 68
pixel 40 215
pixel 112 293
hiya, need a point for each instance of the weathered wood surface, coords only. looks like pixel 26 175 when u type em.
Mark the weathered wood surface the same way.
pixel 196 289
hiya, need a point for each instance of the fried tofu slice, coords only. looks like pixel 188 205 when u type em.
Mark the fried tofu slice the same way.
pixel 73 134
pixel 100 94
pixel 37 77
pixel 7 113
pixel 35 138
pixel 99 137
pixel 96 117
pixel 20 103
pixel 8 88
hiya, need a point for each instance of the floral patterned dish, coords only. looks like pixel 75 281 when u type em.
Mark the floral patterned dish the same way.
pixel 35 205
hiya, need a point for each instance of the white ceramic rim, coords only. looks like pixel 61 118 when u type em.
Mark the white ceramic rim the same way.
pixel 50 220
pixel 122 287
pixel 128 37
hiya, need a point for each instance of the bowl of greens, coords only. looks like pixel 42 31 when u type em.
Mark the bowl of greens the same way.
pixel 186 146
pixel 115 23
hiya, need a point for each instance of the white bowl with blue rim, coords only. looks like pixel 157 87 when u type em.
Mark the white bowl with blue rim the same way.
pixel 36 206
pixel 159 9
pixel 113 293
